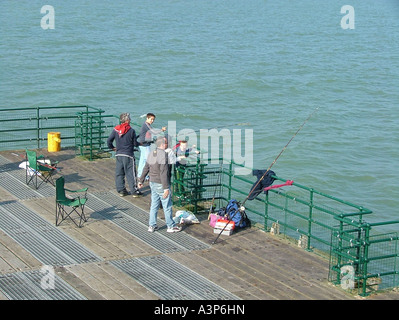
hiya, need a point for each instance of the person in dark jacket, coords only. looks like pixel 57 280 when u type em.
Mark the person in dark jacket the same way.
pixel 159 170
pixel 125 140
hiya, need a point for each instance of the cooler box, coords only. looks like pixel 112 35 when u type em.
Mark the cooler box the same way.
pixel 226 224
pixel 224 232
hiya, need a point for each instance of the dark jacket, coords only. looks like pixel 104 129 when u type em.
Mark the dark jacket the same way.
pixel 125 144
pixel 264 183
pixel 145 136
pixel 158 168
pixel 148 134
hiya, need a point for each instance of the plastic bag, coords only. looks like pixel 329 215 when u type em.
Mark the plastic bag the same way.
pixel 185 217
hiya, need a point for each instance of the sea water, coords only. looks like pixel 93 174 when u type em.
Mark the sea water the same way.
pixel 205 64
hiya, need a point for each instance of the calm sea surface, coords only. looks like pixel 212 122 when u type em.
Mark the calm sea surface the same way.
pixel 208 63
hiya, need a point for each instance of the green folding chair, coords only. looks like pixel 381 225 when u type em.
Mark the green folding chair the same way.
pixel 66 205
pixel 39 167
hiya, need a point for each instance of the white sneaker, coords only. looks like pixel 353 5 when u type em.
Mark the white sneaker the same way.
pixel 152 228
pixel 174 229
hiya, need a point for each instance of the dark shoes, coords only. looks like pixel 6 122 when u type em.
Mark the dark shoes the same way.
pixel 123 193
pixel 137 194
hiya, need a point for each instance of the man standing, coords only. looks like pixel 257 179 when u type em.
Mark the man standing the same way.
pixel 125 139
pixel 159 170
pixel 146 137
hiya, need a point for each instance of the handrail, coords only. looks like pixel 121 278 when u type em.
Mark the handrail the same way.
pixel 31 119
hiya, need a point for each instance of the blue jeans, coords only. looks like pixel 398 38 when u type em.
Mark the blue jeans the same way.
pixel 144 151
pixel 156 199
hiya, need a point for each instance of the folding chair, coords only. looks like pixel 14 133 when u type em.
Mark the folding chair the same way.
pixel 66 205
pixel 39 167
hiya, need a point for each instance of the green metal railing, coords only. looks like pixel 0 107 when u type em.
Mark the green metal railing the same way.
pixel 91 132
pixel 28 127
pixel 361 262
pixel 317 221
pixel 83 127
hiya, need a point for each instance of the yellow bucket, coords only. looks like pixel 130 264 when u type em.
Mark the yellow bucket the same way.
pixel 54 141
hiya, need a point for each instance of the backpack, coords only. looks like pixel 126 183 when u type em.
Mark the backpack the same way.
pixel 232 212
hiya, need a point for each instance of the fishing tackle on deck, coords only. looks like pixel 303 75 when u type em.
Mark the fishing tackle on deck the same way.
pixel 242 207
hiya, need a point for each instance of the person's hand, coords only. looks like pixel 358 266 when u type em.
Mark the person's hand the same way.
pixel 139 185
pixel 163 129
pixel 165 193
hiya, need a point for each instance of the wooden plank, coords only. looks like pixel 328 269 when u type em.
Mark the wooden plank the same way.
pixel 213 272
pixel 14 256
pixel 3 297
pixel 109 276
pixel 84 273
pixel 129 244
pixel 5 195
pixel 5 267
pixel 78 284
pixel 107 281
pixel 94 242
pixel 44 207
pixel 268 287
pixel 129 282
pixel 311 274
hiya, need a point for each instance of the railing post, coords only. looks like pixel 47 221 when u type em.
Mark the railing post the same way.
pixel 339 249
pixel 310 218
pixel 266 211
pixel 230 176
pixel 364 259
pixel 100 129
pixel 91 138
pixel 38 127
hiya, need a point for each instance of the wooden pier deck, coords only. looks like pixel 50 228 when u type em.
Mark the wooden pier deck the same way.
pixel 114 257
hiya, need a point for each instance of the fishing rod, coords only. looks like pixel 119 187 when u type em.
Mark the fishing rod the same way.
pixel 242 208
pixel 281 152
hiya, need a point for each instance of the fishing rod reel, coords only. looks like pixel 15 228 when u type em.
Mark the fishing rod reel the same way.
pixel 241 209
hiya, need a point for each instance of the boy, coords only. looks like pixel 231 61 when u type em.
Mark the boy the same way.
pixel 145 140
